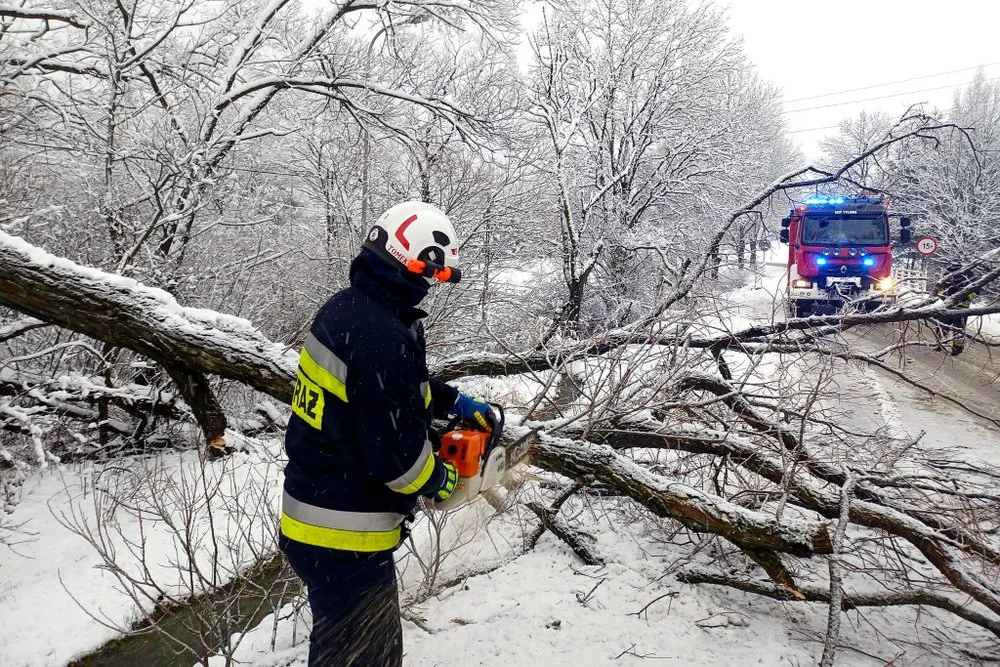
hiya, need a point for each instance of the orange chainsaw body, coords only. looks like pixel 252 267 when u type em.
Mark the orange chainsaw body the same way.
pixel 477 456
pixel 465 450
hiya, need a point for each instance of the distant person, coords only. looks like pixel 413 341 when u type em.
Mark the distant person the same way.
pixel 954 282
pixel 359 444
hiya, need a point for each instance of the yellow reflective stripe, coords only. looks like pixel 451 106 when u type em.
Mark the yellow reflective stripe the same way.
pixel 342 519
pixel 325 357
pixel 322 376
pixel 336 538
pixel 403 484
pixel 425 389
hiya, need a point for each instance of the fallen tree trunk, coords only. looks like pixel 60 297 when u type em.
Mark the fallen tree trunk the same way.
pixel 126 313
pixel 940 550
pixel 666 498
pixel 196 342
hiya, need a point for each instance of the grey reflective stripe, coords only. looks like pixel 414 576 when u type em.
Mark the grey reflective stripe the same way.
pixel 323 356
pixel 425 392
pixel 327 518
pixel 413 474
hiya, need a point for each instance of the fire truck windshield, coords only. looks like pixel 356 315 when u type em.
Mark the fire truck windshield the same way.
pixel 845 229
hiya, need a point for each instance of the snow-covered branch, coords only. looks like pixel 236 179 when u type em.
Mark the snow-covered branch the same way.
pixel 667 498
pixel 851 600
pixel 123 312
pixel 36 14
pixel 946 542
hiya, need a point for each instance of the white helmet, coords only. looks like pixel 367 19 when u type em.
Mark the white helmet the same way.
pixel 421 238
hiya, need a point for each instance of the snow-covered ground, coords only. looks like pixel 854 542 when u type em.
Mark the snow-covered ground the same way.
pixel 540 607
pixel 58 600
pixel 546 608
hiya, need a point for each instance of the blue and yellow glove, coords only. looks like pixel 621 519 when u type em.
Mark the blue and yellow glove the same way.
pixel 474 409
pixel 450 482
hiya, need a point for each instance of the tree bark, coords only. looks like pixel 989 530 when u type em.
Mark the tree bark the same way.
pixel 123 312
pixel 694 508
pixel 199 396
pixel 911 524
pixel 574 540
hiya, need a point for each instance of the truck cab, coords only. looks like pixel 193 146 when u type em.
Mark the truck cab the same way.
pixel 839 250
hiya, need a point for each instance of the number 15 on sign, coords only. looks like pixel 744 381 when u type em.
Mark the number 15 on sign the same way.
pixel 927 245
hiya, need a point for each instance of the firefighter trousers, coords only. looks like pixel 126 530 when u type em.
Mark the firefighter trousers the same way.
pixel 953 328
pixel 354 603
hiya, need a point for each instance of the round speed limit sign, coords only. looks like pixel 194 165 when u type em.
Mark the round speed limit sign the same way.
pixel 927 245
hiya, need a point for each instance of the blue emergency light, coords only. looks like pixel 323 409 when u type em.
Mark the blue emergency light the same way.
pixel 868 261
pixel 820 261
pixel 834 201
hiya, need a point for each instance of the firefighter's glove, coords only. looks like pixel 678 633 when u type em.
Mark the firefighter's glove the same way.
pixel 450 482
pixel 476 410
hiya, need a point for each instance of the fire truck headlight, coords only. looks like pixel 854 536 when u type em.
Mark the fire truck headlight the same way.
pixel 802 283
pixel 868 261
pixel 885 284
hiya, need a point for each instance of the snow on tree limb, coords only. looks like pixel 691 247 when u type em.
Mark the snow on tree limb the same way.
pixel 42 15
pixel 19 327
pixel 667 498
pixel 124 312
pixel 945 541
pixel 851 600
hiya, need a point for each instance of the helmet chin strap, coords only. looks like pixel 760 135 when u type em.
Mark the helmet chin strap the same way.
pixel 443 274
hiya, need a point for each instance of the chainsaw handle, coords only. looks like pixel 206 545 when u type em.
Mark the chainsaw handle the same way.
pixel 501 417
pixel 497 428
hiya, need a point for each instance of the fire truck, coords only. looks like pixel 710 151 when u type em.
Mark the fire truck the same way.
pixel 839 252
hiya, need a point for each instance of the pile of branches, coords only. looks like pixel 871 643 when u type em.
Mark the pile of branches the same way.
pixel 900 534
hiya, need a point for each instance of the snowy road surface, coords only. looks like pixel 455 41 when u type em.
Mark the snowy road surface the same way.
pixel 973 376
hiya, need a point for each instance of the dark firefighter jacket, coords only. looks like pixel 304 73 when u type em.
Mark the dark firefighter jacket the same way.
pixel 956 285
pixel 359 442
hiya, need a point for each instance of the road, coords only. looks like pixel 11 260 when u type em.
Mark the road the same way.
pixel 973 377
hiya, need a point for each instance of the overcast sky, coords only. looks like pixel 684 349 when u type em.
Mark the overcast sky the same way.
pixel 811 48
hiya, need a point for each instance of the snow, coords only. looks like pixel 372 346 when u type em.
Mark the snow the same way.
pixel 540 607
pixel 44 15
pixel 546 608
pixel 50 567
pixel 988 327
pixel 202 325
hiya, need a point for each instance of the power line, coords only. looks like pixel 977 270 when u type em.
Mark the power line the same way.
pixel 813 129
pixel 880 97
pixel 889 83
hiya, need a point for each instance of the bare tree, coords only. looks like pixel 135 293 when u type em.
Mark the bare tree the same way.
pixel 639 120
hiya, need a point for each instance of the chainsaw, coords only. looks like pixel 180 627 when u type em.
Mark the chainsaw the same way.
pixel 477 455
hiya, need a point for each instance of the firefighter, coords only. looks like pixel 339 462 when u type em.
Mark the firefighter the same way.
pixel 359 442
pixel 955 282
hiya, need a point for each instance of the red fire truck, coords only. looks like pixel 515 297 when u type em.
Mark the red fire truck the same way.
pixel 839 251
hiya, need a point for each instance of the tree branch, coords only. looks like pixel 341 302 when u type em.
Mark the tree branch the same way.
pixel 694 508
pixel 850 601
